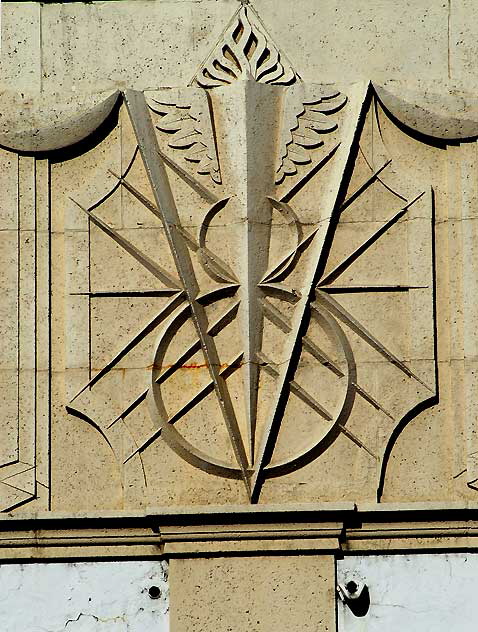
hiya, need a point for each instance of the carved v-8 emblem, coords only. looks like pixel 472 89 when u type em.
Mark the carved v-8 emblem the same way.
pixel 282 298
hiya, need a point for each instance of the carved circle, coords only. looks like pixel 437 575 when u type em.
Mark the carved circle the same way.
pixel 186 450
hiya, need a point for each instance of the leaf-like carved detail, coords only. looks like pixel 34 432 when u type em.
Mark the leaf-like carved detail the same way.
pixel 185 117
pixel 245 50
pixel 308 116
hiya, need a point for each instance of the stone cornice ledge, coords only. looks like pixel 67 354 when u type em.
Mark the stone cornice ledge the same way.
pixel 334 528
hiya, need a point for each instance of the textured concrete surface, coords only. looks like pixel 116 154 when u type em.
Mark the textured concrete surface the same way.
pixel 256 594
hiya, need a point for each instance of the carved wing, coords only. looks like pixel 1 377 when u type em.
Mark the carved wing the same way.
pixel 308 116
pixel 185 118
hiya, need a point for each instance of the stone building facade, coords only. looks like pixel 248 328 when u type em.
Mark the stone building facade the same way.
pixel 239 324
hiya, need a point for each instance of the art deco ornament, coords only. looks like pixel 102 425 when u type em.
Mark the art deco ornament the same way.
pixel 264 266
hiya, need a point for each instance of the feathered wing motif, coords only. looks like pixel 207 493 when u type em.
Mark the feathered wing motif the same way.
pixel 308 116
pixel 185 117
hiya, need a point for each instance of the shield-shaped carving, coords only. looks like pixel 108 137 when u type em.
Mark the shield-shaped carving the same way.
pixel 292 264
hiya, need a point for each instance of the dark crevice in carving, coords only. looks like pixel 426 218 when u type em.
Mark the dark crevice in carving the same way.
pixel 419 136
pixel 81 415
pixel 427 403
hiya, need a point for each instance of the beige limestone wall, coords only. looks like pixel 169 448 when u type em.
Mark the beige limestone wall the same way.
pixel 411 433
pixel 249 283
pixel 250 593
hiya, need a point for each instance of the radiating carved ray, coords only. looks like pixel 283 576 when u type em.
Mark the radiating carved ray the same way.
pixel 300 184
pixel 214 265
pixel 295 388
pixel 209 196
pixel 303 395
pixel 340 312
pixel 210 296
pixel 311 347
pixel 353 437
pixel 279 267
pixel 134 404
pixel 372 401
pixel 353 289
pixel 353 196
pixel 224 372
pixel 150 265
pixel 128 293
pixel 167 310
pixel 343 265
pixel 282 291
pixel 154 165
pixel 214 328
pixel 218 266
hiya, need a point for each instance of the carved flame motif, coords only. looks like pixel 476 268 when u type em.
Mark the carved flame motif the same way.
pixel 245 52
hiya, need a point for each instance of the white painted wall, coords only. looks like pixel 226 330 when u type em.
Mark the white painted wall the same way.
pixel 83 597
pixel 413 593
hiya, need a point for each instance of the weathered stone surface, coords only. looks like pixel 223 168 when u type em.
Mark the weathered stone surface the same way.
pixel 238 244
pixel 257 594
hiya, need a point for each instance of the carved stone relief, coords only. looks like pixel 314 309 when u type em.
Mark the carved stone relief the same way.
pixel 242 288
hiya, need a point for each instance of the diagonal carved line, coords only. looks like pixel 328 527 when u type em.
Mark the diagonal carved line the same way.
pixel 137 194
pixel 341 313
pixel 277 318
pixel 164 313
pixel 372 401
pixel 321 356
pixel 28 469
pixel 225 372
pixel 308 176
pixel 190 351
pixel 158 271
pixel 134 404
pixel 302 394
pixel 214 328
pixel 155 169
pixel 18 489
pixel 188 178
pixel 356 440
pixel 295 388
pixel 338 270
pixel 213 260
pixel 311 347
pixel 300 246
pixel 351 199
